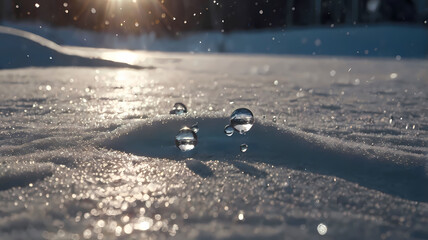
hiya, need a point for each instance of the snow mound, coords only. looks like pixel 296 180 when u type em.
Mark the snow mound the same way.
pixel 24 49
pixel 383 169
pixel 19 175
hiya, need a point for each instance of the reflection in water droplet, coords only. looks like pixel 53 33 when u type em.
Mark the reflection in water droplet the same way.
pixel 242 120
pixel 178 109
pixel 244 147
pixel 186 139
pixel 228 130
pixel 195 128
pixel 322 229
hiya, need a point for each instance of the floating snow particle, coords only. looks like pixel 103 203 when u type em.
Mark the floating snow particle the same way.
pixel 357 81
pixel 322 229
pixel 393 75
pixel 37 5
pixel 241 216
pixel 332 73
pixel 317 42
pixel 372 5
pixel 93 10
pixel 261 12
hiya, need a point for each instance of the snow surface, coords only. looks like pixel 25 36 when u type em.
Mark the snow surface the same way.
pixel 88 151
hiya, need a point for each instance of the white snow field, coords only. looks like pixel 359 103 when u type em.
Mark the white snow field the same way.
pixel 338 150
pixel 381 40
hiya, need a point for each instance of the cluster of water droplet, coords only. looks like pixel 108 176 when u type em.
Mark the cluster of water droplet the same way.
pixel 241 120
pixel 186 139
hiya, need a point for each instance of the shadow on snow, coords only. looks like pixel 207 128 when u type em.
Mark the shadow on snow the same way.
pixel 279 148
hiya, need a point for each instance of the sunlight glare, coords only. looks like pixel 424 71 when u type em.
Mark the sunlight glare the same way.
pixel 121 56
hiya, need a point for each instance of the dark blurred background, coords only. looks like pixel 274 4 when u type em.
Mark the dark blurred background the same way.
pixel 172 17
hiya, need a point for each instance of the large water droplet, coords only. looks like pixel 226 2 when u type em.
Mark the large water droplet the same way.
pixel 242 120
pixel 244 147
pixel 228 130
pixel 186 139
pixel 178 109
pixel 195 128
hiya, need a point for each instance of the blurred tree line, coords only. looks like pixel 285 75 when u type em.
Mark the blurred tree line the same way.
pixel 171 17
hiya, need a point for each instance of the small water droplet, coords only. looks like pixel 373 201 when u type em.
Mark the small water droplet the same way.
pixel 274 119
pixel 195 128
pixel 244 147
pixel 228 130
pixel 242 120
pixel 178 109
pixel 186 139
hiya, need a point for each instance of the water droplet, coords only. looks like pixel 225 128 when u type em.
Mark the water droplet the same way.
pixel 186 139
pixel 228 130
pixel 242 120
pixel 274 119
pixel 195 128
pixel 244 147
pixel 178 109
